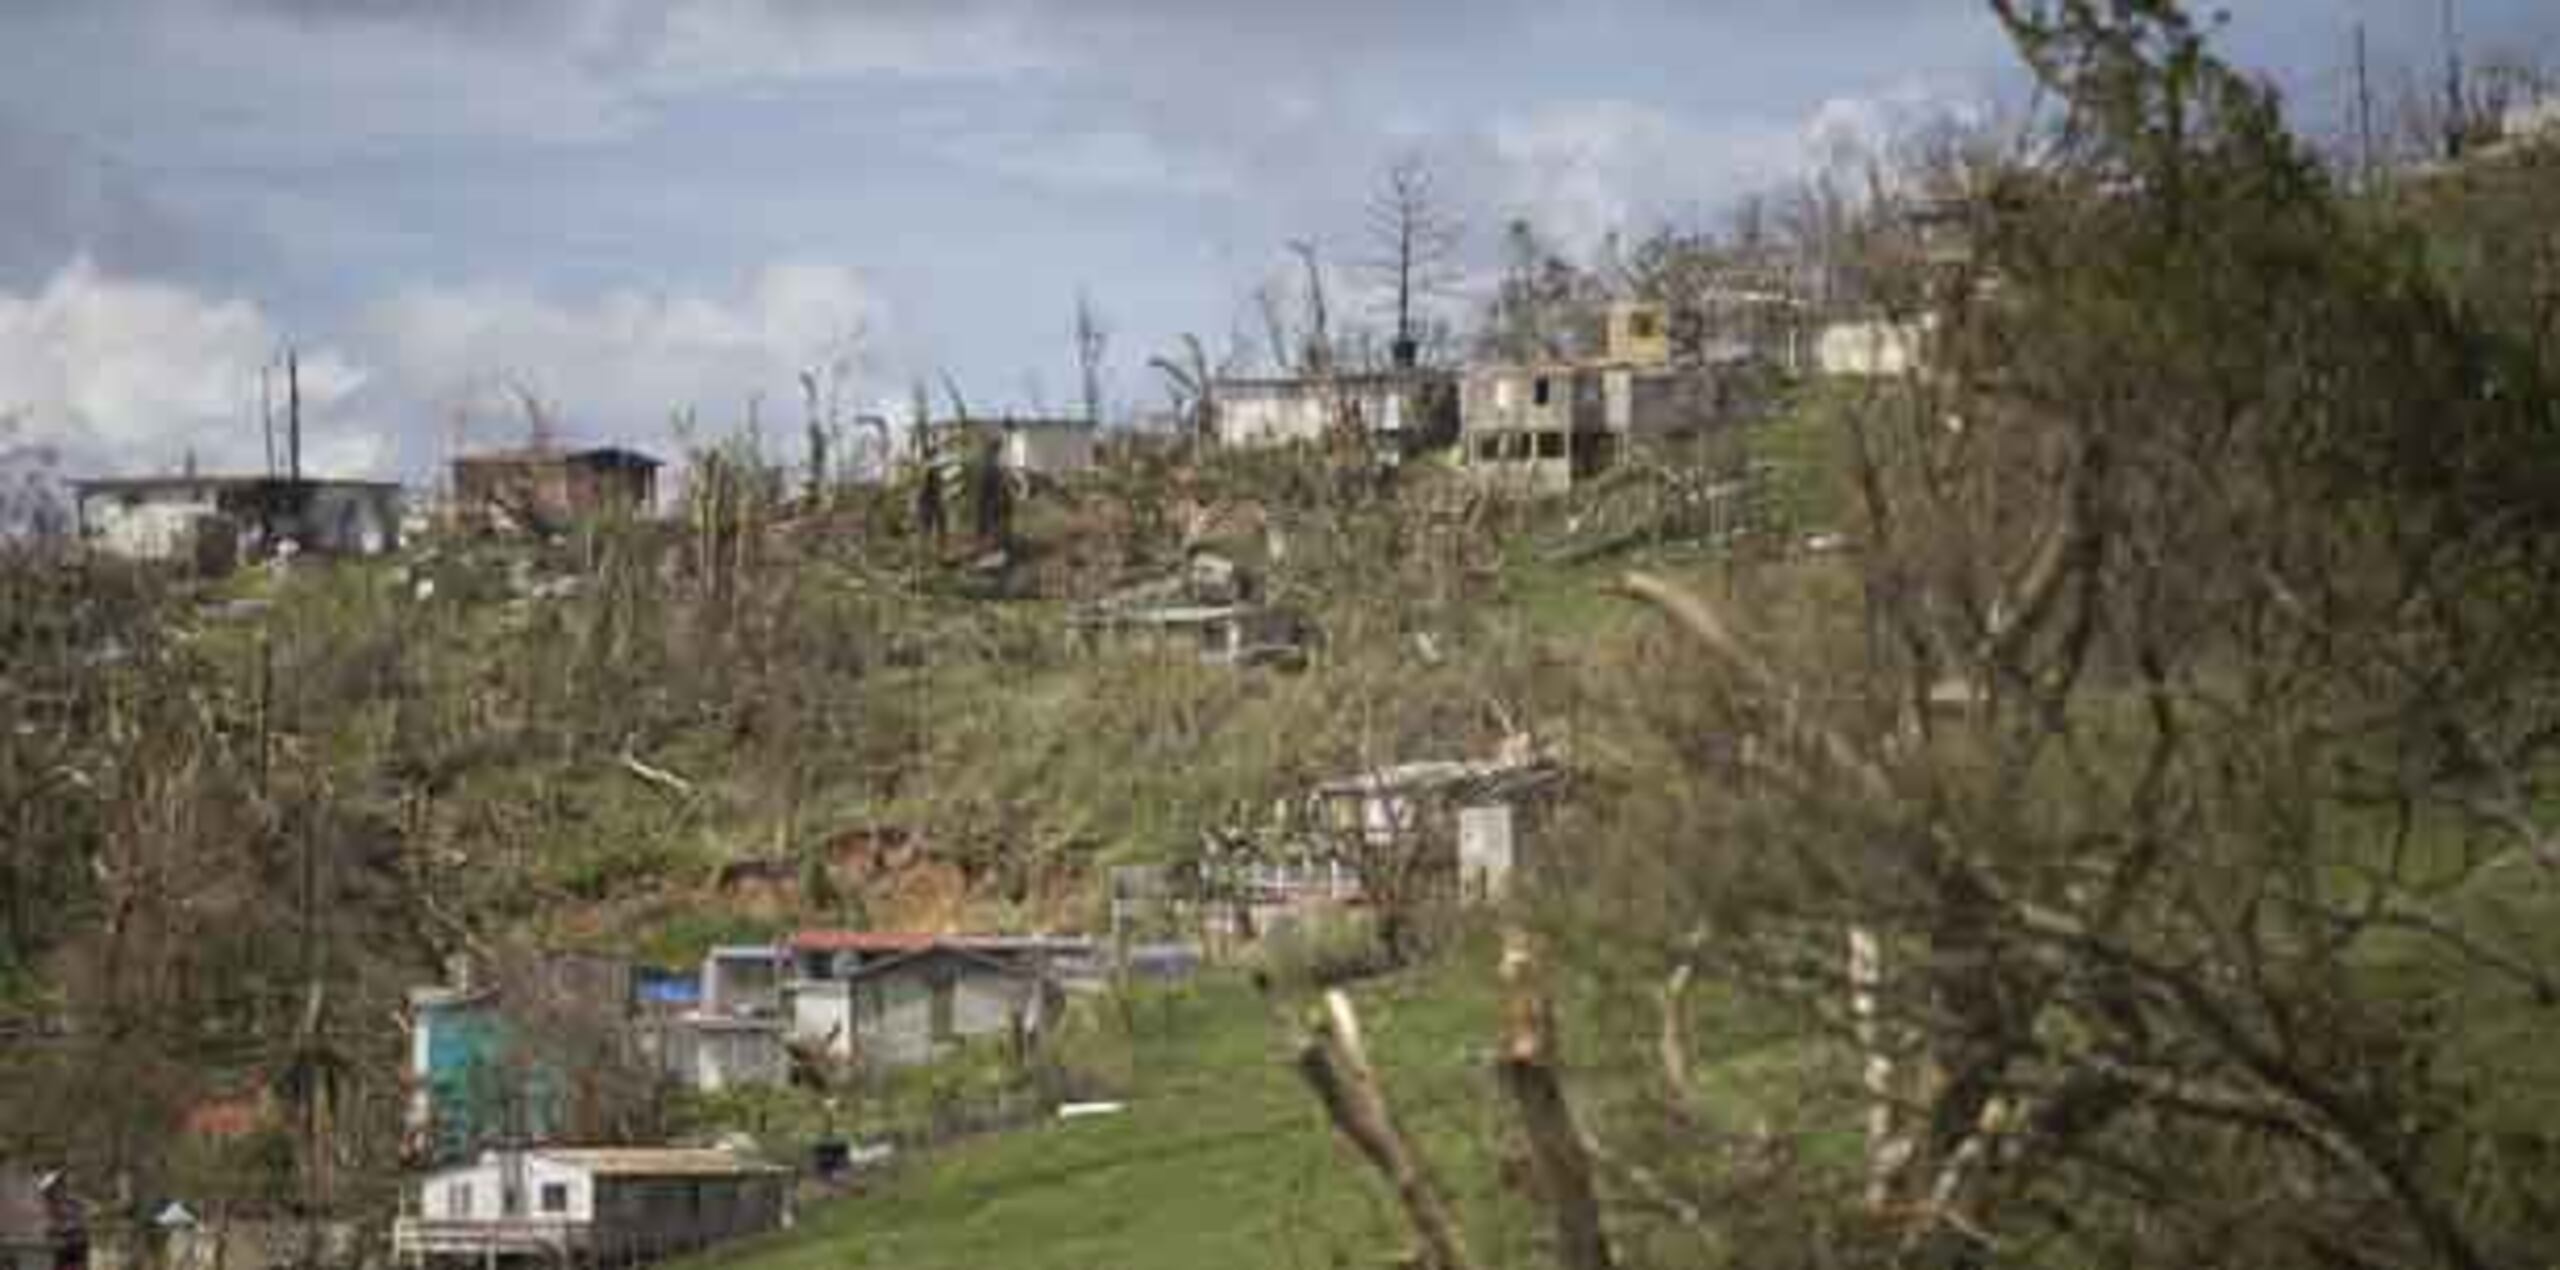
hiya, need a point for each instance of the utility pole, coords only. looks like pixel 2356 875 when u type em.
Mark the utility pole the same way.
pixel 293 413
pixel 267 413
pixel 2364 112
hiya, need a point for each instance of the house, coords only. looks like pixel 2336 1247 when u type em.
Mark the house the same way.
pixel 1478 817
pixel 1405 411
pixel 910 1008
pixel 543 490
pixel 41 1225
pixel 215 522
pixel 1545 427
pixel 589 1205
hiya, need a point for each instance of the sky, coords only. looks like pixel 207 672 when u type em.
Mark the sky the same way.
pixel 637 207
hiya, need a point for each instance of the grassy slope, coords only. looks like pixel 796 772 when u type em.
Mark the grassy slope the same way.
pixel 1223 1159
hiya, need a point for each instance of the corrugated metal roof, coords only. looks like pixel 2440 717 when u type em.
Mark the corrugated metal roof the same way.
pixel 656 1161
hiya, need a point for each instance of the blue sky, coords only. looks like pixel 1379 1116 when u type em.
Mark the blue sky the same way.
pixel 634 206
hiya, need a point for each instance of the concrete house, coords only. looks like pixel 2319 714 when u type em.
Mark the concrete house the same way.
pixel 1405 411
pixel 1544 428
pixel 896 999
pixel 544 490
pixel 590 1205
pixel 914 1007
pixel 215 522
pixel 41 1225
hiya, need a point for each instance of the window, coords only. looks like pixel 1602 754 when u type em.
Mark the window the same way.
pixel 457 1199
pixel 1540 390
pixel 1515 446
pixel 1644 324
pixel 1550 445
pixel 1488 448
pixel 555 1197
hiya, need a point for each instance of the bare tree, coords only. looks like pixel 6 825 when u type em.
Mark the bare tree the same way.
pixel 1416 242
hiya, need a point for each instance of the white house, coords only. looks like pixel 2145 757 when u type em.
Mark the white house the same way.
pixel 1048 447
pixel 598 1205
pixel 1408 410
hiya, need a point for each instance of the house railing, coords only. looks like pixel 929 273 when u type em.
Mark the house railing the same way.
pixel 416 1238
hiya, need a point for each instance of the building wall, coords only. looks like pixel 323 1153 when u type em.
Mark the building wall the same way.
pixel 647 1217
pixel 1487 851
pixel 156 526
pixel 822 1014
pixel 1049 451
pixel 1414 411
pixel 894 1011
pixel 710 1055
pixel 1870 349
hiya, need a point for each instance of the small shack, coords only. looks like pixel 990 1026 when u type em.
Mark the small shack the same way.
pixel 543 490
pixel 590 1205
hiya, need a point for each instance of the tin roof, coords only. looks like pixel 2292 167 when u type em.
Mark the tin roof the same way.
pixel 656 1161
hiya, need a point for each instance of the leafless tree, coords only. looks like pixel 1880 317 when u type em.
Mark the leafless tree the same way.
pixel 1416 241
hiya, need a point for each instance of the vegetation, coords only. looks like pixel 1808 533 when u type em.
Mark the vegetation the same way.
pixel 2098 816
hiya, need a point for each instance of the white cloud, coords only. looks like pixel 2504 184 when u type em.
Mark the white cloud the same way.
pixel 1580 170
pixel 125 375
pixel 617 365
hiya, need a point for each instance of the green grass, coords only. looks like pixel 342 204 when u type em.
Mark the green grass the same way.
pixel 1223 1158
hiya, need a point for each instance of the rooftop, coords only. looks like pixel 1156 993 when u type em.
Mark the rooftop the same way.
pixel 657 1161
pixel 147 484
pixel 599 455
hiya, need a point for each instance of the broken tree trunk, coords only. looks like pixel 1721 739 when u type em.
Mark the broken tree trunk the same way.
pixel 1336 1063
pixel 1556 1145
